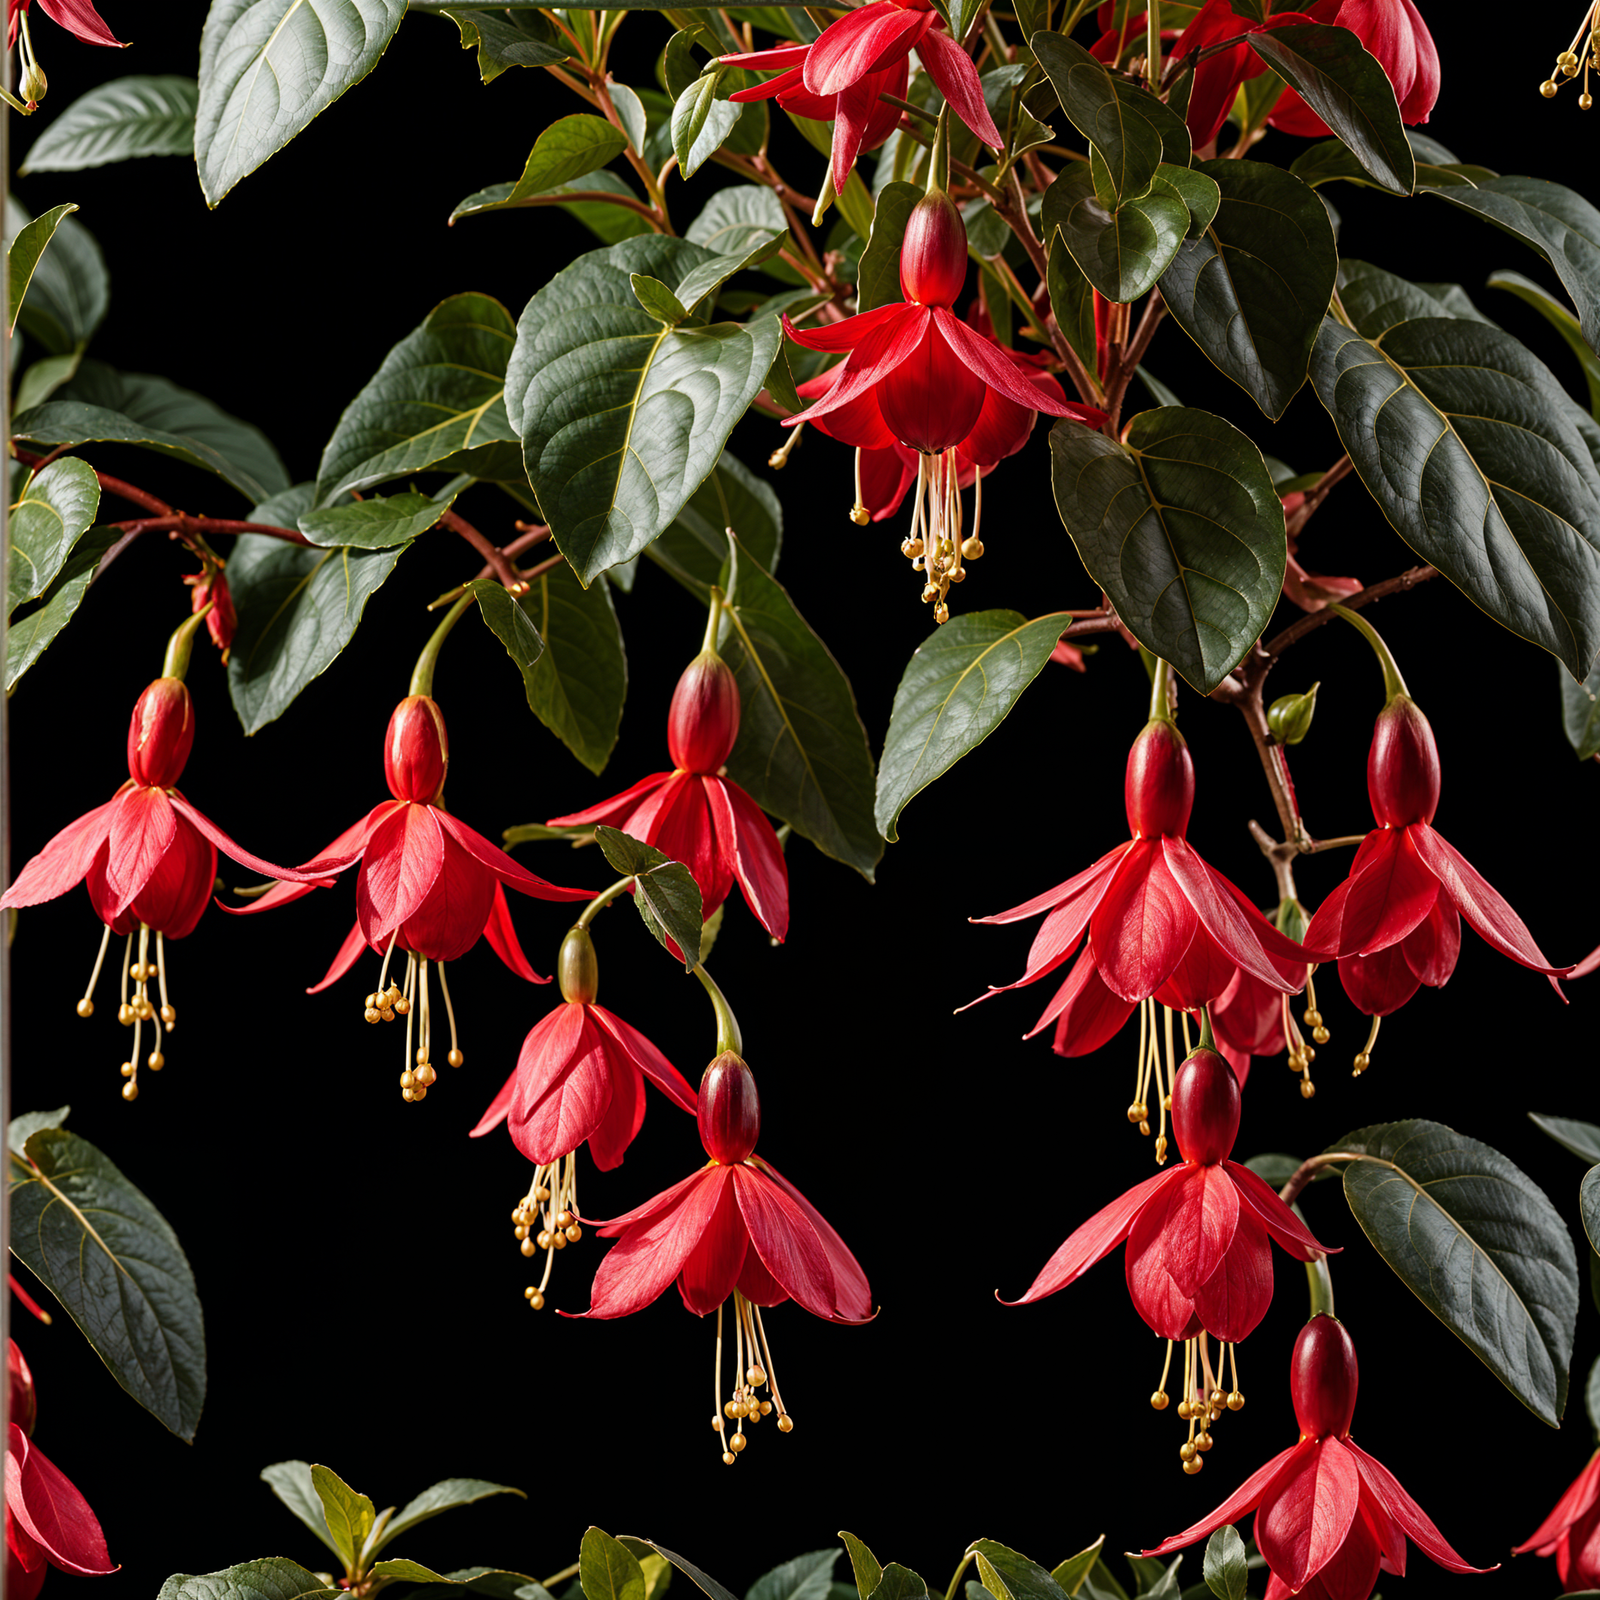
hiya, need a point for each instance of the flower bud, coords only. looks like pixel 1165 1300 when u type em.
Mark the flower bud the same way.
pixel 161 734
pixel 729 1110
pixel 1289 716
pixel 222 620
pixel 577 970
pixel 416 751
pixel 1205 1108
pixel 933 253
pixel 703 721
pixel 34 84
pixel 1323 1378
pixel 1159 787
pixel 1402 766
pixel 23 1407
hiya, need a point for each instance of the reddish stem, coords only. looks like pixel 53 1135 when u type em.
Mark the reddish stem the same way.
pixel 492 554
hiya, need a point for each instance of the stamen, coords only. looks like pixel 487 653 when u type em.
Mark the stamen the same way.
pixel 1313 1016
pixel 1236 1394
pixel 785 1420
pixel 456 1056
pixel 858 512
pixel 1158 1400
pixel 383 974
pixel 728 1457
pixel 124 1010
pixel 1364 1059
pixel 86 1005
pixel 169 1012
pixel 408 1079
pixel 551 1203
pixel 780 457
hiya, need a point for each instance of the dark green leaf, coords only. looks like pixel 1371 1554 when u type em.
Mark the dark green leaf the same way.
pixel 1462 437
pixel 899 1583
pixel 496 1584
pixel 23 253
pixel 508 39
pixel 958 687
pixel 667 896
pixel 658 300
pixel 878 275
pixel 1181 527
pixel 1072 300
pixel 1376 300
pixel 291 1482
pixel 1589 1205
pixel 701 122
pixel 1198 192
pixel 1147 1572
pixel 1561 320
pixel 621 419
pixel 694 549
pixel 57 507
pixel 439 391
pixel 1252 290
pixel 807 1577
pixel 379 522
pixel 349 1515
pixel 708 1585
pixel 1226 1570
pixel 267 67
pixel 69 289
pixel 42 378
pixel 1274 1167
pixel 607 1570
pixel 1165 1587
pixel 443 1496
pixel 272 1579
pixel 1347 87
pixel 1581 1138
pixel 33 629
pixel 604 213
pixel 1010 1576
pixel 512 626
pixel 578 685
pixel 107 1254
pixel 1071 1573
pixel 863 1565
pixel 119 120
pixel 1591 1396
pixel 702 282
pixel 1478 1243
pixel 802 752
pixel 1122 252
pixel 20 1129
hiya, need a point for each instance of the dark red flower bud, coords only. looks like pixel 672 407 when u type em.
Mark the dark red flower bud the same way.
pixel 416 751
pixel 161 734
pixel 222 619
pixel 933 253
pixel 1402 766
pixel 729 1110
pixel 577 970
pixel 1205 1108
pixel 24 1406
pixel 1323 1378
pixel 1159 787
pixel 703 721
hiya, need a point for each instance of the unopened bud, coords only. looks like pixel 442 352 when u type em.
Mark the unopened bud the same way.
pixel 577 969
pixel 1402 765
pixel 703 721
pixel 34 83
pixel 1158 788
pixel 1205 1108
pixel 1289 716
pixel 416 751
pixel 1323 1378
pixel 729 1110
pixel 161 734
pixel 933 253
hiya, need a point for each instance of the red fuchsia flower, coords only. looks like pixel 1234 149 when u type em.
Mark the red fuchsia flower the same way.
pixel 850 59
pixel 696 815
pixel 148 859
pixel 427 885
pixel 580 1077
pixel 1328 1516
pixel 1571 1533
pixel 1395 922
pixel 734 1228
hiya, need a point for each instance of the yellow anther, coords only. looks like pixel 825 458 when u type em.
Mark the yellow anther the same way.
pixel 455 1058
pixel 86 1008
pixel 1308 1089
pixel 1158 1401
pixel 157 1061
pixel 130 1090
pixel 786 1423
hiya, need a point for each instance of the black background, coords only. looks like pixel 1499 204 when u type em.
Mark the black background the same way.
pixel 363 1292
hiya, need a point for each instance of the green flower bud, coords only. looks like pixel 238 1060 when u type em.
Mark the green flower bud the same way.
pixel 1289 716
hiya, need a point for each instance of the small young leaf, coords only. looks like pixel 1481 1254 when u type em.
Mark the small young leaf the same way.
pixel 69 288
pixel 23 253
pixel 508 39
pixel 510 623
pixel 899 1583
pixel 445 1495
pixel 664 890
pixel 863 1564
pixel 701 122
pixel 1070 1574
pixel 56 509
pixel 349 1515
pixel 607 1570
pixel 381 521
pixel 1010 1576
pixel 291 1482
pixel 1581 1138
pixel 1226 1571
pixel 21 1129
pixel 658 300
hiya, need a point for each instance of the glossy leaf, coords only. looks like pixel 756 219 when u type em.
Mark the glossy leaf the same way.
pixel 958 687
pixel 738 218
pixel 578 685
pixel 807 1577
pixel 445 1495
pixel 41 379
pixel 664 890
pixel 607 1570
pixel 701 123
pixel 291 1482
pixel 1559 318
pixel 23 253
pixel 507 39
pixel 899 1583
pixel 410 1571
pixel 1010 1576
pixel 864 1565
pixel 1181 527
pixel 1199 192
pixel 1462 437
pixel 1478 1243
pixel 1580 715
pixel 22 1128
pixel 100 1247
pixel 622 419
pixel 1226 1567
pixel 1581 1138
pixel 1070 1574
pixel 1375 300
pixel 595 200
pixel 802 753
pixel 509 622
pixel 117 121
pixel 878 273
pixel 381 521
pixel 69 289
pixel 694 549
pixel 1589 1205
pixel 57 507
pixel 349 1515
pixel 1252 290
pixel 567 150
pixel 1072 300
pixel 271 1579
pixel 31 631
pixel 1122 252
pixel 267 67
pixel 707 1585
pixel 439 391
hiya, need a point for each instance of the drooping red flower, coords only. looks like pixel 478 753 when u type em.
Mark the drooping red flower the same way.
pixel 148 859
pixel 78 17
pixel 848 62
pixel 1395 922
pixel 696 815
pixel 427 885
pixel 1571 1533
pixel 1198 1233
pixel 1328 1516
pixel 48 1522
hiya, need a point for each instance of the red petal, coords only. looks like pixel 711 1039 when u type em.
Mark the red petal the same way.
pixel 1304 1519
pixel 646 1058
pixel 566 1085
pixel 455 910
pixel 861 42
pixel 608 1144
pixel 852 1295
pixel 352 947
pixel 1189 1226
pixel 835 338
pixel 713 1265
pixel 757 1285
pixel 51 1511
pixel 852 111
pixel 791 56
pixel 501 865
pixel 1063 893
pixel 952 70
pixel 1581 1496
pixel 1385 1488
pixel 1222 916
pixel 1143 924
pixel 1274 1215
pixel 1234 1299
pixel 1378 984
pixel 64 861
pixel 932 400
pixel 179 888
pixel 1353 1568
pixel 1431 948
pixel 653 1249
pixel 1243 1499
pixel 1086 1013
pixel 402 862
pixel 1204 972
pixel 786 1242
pixel 1390 892
pixel 502 937
pixel 499 1108
pixel 750 845
pixel 143 826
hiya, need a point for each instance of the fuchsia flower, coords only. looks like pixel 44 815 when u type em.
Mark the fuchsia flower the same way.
pixel 1197 1233
pixel 1571 1533
pixel 1328 1516
pixel 696 815
pixel 78 17
pixel 427 885
pixel 850 60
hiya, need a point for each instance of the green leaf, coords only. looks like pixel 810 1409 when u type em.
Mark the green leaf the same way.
pixel 807 1577
pixel 1122 252
pixel 410 1571
pixel 737 219
pixel 1132 130
pixel 567 150
pixel 20 1129
pixel 863 1565
pixel 298 608
pixel 267 67
pixel 445 1495
pixel 622 419
pixel 117 121
pixel 878 275
pixel 381 521
pixel 1580 712
pixel 1581 1138
pixel 57 507
pixel 291 1482
pixel 439 391
pixel 1181 527
pixel 958 687
pixel 668 899
pixel 1344 83
pixel 349 1515
pixel 1072 300
pixel 607 1570
pixel 69 289
pixel 42 378
pixel 1226 1569
pixel 1252 290
pixel 512 626
pixel 702 282
pixel 609 220
pixel 708 1585
pixel 272 1579
pixel 507 39
pixel 694 549
pixel 1589 1205
pixel 1199 192
pixel 1275 1167
pixel 1462 437
pixel 1560 319
pixel 1478 1243
pixel 1070 1574
pixel 33 629
pixel 1010 1576
pixel 701 122
pixel 899 1583
pixel 578 685
pixel 1375 300
pixel 802 753
pixel 23 253
pixel 658 300
pixel 497 1584
pixel 109 1257
pixel 1591 1396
